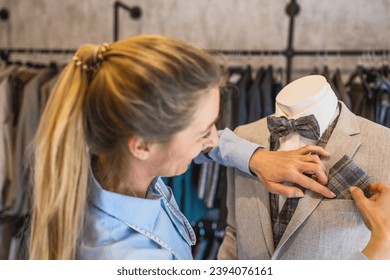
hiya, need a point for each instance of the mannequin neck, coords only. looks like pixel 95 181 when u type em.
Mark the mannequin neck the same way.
pixel 321 103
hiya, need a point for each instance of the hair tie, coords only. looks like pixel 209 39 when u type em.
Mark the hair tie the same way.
pixel 77 60
pixel 99 52
pixel 98 57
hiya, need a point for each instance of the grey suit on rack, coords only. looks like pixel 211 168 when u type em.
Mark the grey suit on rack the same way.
pixel 320 228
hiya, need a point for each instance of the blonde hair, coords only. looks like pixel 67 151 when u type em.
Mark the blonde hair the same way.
pixel 147 86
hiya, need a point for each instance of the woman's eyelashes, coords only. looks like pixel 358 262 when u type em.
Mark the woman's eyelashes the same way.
pixel 207 135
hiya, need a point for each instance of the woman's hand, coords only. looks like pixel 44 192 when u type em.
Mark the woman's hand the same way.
pixel 375 212
pixel 274 168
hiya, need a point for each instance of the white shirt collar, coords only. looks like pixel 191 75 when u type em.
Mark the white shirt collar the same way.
pixel 325 110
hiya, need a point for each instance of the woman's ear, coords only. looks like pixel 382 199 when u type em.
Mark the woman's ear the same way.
pixel 138 147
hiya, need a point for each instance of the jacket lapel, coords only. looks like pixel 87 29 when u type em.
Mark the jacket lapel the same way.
pixel 343 141
pixel 264 206
pixel 265 219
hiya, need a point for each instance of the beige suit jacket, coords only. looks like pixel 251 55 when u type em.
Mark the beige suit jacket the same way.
pixel 320 228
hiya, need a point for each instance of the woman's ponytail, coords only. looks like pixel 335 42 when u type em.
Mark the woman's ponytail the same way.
pixel 61 164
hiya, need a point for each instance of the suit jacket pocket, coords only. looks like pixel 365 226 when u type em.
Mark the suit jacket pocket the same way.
pixel 338 205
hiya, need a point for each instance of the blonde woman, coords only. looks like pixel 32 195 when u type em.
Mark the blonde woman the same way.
pixel 120 116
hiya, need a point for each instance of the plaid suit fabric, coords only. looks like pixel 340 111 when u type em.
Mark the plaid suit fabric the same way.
pixel 346 173
pixel 280 220
pixel 306 126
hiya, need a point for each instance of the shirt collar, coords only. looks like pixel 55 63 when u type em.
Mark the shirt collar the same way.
pixel 133 210
pixel 325 111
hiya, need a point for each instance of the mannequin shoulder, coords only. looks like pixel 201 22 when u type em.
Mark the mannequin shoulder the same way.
pixel 371 129
pixel 254 131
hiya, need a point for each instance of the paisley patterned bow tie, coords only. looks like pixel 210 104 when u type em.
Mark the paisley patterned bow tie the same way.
pixel 306 126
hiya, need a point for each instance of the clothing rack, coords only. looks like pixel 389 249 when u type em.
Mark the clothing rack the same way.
pixel 292 10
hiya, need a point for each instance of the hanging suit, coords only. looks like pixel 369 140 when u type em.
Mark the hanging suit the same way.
pixel 7 224
pixel 268 102
pixel 241 110
pixel 254 99
pixel 340 89
pixel 361 95
pixel 320 228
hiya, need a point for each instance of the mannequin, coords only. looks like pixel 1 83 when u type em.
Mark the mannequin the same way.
pixel 305 96
pixel 320 228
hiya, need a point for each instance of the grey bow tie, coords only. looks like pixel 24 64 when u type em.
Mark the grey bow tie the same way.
pixel 306 126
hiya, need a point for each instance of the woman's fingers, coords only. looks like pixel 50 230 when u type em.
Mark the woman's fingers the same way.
pixel 311 149
pixel 311 184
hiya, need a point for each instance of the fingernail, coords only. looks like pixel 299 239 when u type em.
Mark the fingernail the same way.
pixel 333 195
pixel 299 194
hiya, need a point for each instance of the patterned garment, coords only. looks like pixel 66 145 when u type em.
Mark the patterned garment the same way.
pixel 280 220
pixel 342 175
pixel 306 126
pixel 346 173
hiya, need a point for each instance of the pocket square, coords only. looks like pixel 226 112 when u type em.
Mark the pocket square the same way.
pixel 346 173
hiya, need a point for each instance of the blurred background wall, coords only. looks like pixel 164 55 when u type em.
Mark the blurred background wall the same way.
pixel 213 24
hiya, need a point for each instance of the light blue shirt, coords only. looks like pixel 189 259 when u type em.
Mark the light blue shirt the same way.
pixel 124 227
